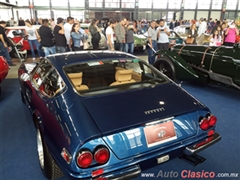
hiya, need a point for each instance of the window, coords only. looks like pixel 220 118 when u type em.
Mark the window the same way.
pixel 217 4
pixel 128 3
pixel 63 3
pixel 145 4
pixel 174 4
pixel 108 76
pixel 24 13
pixel 47 80
pixel 61 13
pixel 42 3
pixel 96 3
pixel 231 4
pixel 44 14
pixel 77 14
pixel 74 3
pixel 190 4
pixel 112 3
pixel 21 2
pixel 204 4
pixel 6 13
pixel 159 4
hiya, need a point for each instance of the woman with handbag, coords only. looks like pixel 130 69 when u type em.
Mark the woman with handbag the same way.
pixel 192 35
pixel 95 33
pixel 77 38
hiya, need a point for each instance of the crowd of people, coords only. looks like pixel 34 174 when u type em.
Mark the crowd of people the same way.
pixel 67 35
pixel 220 32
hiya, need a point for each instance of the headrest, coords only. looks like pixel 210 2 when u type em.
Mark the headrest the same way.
pixel 76 78
pixel 123 75
pixel 75 75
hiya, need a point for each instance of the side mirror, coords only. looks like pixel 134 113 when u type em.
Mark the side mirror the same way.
pixel 25 77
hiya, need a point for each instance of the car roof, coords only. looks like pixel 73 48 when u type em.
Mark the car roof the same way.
pixel 63 59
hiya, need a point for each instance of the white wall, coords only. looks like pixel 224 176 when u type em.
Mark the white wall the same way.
pixel 202 14
pixel 188 15
pixel 215 14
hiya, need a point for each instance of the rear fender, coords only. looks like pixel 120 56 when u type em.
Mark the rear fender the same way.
pixel 183 69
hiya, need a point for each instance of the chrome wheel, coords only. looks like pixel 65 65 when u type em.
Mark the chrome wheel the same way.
pixel 40 149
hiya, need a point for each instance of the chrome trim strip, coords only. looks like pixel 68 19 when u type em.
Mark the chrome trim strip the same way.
pixel 158 121
pixel 191 150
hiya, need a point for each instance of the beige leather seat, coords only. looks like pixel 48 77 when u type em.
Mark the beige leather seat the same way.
pixel 135 76
pixel 123 77
pixel 76 79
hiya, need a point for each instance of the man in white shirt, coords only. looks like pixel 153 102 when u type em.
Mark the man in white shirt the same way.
pixel 109 34
pixel 163 33
pixel 202 27
pixel 67 31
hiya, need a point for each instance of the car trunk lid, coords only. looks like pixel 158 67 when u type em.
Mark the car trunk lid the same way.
pixel 118 112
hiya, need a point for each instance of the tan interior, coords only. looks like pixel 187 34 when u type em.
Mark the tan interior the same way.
pixel 76 79
pixel 136 76
pixel 123 77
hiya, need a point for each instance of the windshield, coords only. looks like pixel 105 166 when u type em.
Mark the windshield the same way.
pixel 101 77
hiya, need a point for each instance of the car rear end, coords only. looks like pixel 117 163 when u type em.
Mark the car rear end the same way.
pixel 124 154
pixel 150 120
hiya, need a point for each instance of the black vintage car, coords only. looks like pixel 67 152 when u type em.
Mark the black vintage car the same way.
pixel 204 63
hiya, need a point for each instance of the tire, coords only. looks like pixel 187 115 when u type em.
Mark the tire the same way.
pixel 48 166
pixel 166 67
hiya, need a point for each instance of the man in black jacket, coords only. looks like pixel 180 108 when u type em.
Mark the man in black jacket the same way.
pixel 46 36
pixel 4 43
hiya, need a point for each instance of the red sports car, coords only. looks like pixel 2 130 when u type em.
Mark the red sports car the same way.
pixel 3 69
pixel 17 33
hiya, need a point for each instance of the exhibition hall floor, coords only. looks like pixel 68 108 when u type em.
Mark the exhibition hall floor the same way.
pixel 18 153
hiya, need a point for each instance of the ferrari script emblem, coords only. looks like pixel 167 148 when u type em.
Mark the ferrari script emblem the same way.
pixel 152 111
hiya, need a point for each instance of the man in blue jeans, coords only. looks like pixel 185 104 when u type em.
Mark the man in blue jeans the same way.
pixel 47 38
pixel 3 43
pixel 120 33
pixel 152 41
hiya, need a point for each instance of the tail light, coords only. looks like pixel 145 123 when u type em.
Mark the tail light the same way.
pixel 84 159
pixel 204 124
pixel 209 121
pixel 212 120
pixel 101 155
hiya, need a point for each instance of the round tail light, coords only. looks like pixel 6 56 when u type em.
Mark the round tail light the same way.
pixel 84 159
pixel 204 124
pixel 212 120
pixel 102 155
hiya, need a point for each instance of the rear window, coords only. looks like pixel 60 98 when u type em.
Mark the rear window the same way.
pixel 101 77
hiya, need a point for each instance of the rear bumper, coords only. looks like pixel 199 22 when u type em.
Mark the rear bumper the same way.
pixel 202 144
pixel 123 174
